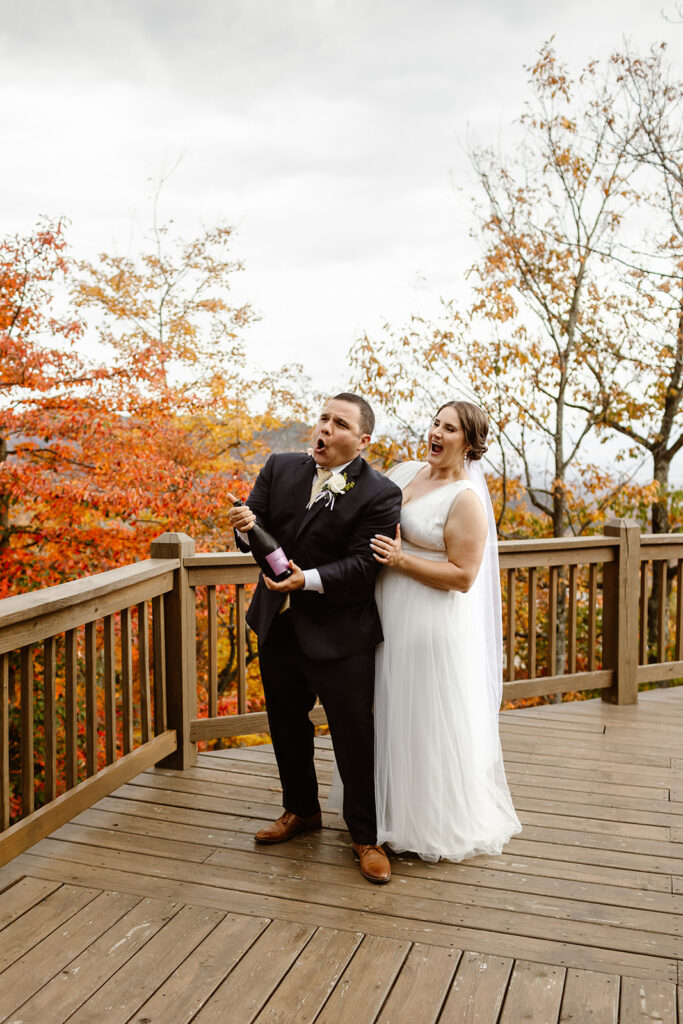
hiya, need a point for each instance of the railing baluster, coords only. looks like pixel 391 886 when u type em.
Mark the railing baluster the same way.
pixel 90 699
pixel 510 626
pixel 109 689
pixel 49 680
pixel 662 610
pixel 642 624
pixel 71 708
pixel 240 633
pixel 212 652
pixel 571 623
pixel 679 609
pixel 533 579
pixel 27 782
pixel 4 742
pixel 143 672
pixel 552 618
pixel 127 681
pixel 158 628
pixel 592 613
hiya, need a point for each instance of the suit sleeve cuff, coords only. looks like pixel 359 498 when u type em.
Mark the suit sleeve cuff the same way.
pixel 312 581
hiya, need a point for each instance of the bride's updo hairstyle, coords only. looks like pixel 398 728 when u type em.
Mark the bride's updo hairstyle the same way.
pixel 475 425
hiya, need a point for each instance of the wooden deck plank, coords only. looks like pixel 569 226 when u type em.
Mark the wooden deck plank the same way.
pixel 620 754
pixel 21 896
pixel 659 827
pixel 193 982
pixel 643 1001
pixel 594 849
pixel 563 920
pixel 365 983
pixel 598 786
pixel 84 975
pixel 120 997
pixel 39 964
pixel 300 997
pixel 268 959
pixel 456 876
pixel 421 987
pixel 181 808
pixel 595 806
pixel 38 922
pixel 534 994
pixel 590 997
pixel 478 990
pixel 276 906
pixel 563 726
pixel 660 855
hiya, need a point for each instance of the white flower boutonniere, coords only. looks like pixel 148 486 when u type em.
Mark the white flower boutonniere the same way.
pixel 337 484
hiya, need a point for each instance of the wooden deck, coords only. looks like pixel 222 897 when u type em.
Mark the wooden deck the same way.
pixel 156 906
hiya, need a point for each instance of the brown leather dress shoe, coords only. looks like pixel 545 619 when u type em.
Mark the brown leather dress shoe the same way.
pixel 287 826
pixel 374 863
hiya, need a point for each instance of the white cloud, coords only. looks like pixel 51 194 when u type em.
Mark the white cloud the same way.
pixel 331 132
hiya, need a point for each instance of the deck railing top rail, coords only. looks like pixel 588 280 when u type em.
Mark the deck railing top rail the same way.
pixel 66 595
pixel 39 614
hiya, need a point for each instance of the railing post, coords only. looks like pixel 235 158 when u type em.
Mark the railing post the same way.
pixel 620 612
pixel 180 649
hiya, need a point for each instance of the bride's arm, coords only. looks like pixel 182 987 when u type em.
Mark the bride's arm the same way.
pixel 465 534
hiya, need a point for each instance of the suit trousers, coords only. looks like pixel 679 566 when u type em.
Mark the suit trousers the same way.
pixel 345 686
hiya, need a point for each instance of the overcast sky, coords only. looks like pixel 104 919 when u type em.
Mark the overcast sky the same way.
pixel 331 133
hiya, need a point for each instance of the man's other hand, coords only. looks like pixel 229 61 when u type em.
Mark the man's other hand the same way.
pixel 293 582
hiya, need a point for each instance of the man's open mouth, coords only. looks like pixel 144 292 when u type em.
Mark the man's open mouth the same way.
pixel 319 444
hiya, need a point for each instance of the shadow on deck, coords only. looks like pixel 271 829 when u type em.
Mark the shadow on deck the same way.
pixel 156 905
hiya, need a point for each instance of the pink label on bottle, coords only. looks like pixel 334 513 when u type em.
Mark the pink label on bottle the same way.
pixel 277 560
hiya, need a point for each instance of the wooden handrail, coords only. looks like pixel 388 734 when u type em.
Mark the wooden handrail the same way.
pixel 29 618
pixel 65 595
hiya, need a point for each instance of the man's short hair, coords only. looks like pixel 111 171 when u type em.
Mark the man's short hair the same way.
pixel 367 416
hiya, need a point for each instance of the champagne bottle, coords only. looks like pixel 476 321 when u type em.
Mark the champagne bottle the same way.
pixel 267 552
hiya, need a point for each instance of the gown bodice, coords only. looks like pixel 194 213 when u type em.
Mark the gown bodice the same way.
pixel 423 519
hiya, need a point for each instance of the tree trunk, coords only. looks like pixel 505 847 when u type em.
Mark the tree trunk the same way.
pixel 660 524
pixel 660 510
pixel 4 504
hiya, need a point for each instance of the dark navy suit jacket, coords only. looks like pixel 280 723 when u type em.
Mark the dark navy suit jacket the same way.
pixel 336 541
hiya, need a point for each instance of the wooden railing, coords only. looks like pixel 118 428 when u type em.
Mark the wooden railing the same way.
pixel 82 632
pixel 579 614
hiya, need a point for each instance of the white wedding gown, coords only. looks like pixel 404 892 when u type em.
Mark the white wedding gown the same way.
pixel 440 784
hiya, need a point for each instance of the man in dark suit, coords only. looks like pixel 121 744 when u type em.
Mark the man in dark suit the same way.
pixel 318 629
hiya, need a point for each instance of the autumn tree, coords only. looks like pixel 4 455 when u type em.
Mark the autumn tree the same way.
pixel 641 376
pixel 102 452
pixel 543 302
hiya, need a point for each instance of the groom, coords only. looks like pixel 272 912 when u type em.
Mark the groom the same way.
pixel 318 629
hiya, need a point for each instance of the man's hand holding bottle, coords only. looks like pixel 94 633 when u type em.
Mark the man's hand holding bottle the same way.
pixel 266 551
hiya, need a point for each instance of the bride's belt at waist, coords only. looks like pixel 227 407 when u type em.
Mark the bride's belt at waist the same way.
pixel 430 553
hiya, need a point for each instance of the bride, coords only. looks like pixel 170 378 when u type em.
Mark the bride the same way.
pixel 440 784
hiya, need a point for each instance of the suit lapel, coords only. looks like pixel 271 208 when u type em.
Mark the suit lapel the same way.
pixel 351 471
pixel 303 480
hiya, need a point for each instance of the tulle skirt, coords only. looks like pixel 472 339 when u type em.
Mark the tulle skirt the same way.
pixel 440 784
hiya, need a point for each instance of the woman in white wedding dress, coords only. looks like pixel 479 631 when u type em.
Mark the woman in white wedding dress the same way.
pixel 440 784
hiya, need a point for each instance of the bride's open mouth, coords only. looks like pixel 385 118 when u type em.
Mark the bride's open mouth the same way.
pixel 436 448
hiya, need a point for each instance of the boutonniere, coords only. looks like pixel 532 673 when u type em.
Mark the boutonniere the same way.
pixel 337 484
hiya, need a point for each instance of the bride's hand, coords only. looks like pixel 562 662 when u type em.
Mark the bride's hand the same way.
pixel 387 550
